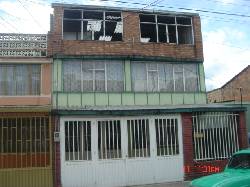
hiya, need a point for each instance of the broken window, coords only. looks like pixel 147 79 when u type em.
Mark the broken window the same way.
pixel 166 29
pixel 92 25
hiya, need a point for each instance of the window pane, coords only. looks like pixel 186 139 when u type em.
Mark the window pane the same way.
pixel 115 76
pixel 178 78
pixel 138 138
pixel 166 77
pixel 113 31
pixel 114 16
pixel 172 34
pixel 191 78
pixel 100 76
pixel 148 32
pixel 152 77
pixel 72 76
pixel 93 15
pixel 71 30
pixel 147 18
pixel 20 79
pixel 87 75
pixel 73 14
pixel 109 139
pixel 162 34
pixel 185 35
pixel 92 29
pixel 183 20
pixel 166 19
pixel 139 76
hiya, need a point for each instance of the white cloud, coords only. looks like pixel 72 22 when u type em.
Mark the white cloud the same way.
pixel 227 1
pixel 18 19
pixel 223 60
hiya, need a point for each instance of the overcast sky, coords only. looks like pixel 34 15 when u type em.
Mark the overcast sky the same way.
pixel 225 27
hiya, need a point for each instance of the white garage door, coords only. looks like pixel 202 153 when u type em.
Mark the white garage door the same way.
pixel 121 151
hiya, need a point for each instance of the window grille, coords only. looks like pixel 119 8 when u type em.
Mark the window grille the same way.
pixel 24 142
pixel 138 138
pixel 215 135
pixel 167 136
pixel 109 139
pixel 89 76
pixel 20 79
pixel 77 140
pixel 160 77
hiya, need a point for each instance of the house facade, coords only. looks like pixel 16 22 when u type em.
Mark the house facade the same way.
pixel 129 99
pixel 25 105
pixel 110 97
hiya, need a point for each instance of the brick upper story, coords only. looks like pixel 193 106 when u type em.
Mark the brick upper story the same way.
pixel 130 45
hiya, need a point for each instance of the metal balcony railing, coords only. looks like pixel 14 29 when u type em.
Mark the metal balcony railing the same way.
pixel 23 45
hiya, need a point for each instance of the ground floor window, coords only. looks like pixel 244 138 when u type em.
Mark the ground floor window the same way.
pixel 109 139
pixel 167 136
pixel 24 142
pixel 138 138
pixel 215 135
pixel 77 140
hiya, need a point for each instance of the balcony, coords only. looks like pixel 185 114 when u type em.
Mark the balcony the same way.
pixel 23 45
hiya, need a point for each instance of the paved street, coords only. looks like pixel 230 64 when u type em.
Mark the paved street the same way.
pixel 174 184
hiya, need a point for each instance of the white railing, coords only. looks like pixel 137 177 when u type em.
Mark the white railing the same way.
pixel 23 45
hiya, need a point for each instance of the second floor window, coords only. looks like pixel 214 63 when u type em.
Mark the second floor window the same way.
pixel 89 76
pixel 166 29
pixel 92 25
pixel 20 80
pixel 164 77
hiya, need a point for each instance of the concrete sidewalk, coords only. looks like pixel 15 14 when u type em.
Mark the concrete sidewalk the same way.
pixel 172 184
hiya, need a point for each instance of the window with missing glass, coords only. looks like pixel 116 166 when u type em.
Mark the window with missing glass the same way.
pixel 20 79
pixel 164 77
pixel 89 76
pixel 92 25
pixel 166 29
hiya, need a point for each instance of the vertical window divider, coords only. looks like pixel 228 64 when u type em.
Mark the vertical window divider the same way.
pixel 158 78
pixel 94 79
pixel 81 76
pixel 82 25
pixel 192 30
pixel 147 77
pixel 174 76
pixel 167 33
pixel 176 31
pixel 156 24
pixel 183 77
pixel 104 24
pixel 105 76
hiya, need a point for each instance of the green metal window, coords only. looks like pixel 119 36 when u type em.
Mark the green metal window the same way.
pixel 20 79
pixel 93 76
pixel 164 77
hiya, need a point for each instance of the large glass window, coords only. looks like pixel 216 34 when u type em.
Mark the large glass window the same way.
pixel 99 76
pixel 20 79
pixel 92 25
pixel 166 29
pixel 160 77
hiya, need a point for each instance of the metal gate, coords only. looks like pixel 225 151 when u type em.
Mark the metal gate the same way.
pixel 121 151
pixel 25 152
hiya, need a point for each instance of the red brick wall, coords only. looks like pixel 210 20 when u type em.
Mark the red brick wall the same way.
pixel 130 45
pixel 193 169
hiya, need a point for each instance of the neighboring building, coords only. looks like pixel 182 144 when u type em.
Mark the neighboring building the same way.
pixel 237 89
pixel 25 100
pixel 129 99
